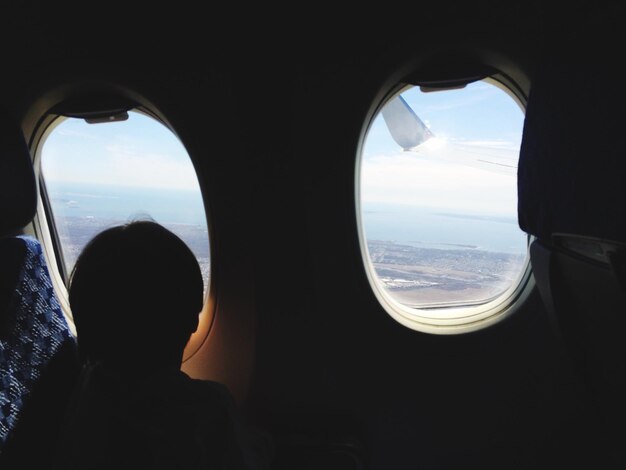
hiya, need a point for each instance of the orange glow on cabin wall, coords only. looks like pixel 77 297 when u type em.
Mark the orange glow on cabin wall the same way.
pixel 222 348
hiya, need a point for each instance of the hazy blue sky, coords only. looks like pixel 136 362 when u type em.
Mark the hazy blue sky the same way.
pixel 476 123
pixel 139 152
pixel 479 122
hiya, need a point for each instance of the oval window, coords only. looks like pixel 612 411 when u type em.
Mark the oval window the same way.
pixel 97 175
pixel 100 175
pixel 437 192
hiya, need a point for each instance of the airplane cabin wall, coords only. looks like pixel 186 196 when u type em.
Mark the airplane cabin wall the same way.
pixel 299 336
pixel 330 360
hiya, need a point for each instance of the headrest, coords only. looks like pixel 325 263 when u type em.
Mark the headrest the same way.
pixel 34 329
pixel 572 167
pixel 18 188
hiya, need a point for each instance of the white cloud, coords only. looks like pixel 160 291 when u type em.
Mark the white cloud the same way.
pixel 139 152
pixel 502 144
pixel 418 180
pixel 130 167
pixel 68 132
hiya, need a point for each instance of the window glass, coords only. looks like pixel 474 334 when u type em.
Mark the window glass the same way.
pixel 438 197
pixel 100 175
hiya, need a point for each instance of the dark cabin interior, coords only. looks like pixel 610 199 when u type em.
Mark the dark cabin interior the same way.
pixel 271 105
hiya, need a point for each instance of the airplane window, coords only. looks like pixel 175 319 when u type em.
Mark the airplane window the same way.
pixel 437 192
pixel 99 175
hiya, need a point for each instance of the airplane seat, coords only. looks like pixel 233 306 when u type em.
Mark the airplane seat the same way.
pixel 37 348
pixel 300 451
pixel 319 440
pixel 572 199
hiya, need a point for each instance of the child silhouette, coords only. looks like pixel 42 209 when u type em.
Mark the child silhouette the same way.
pixel 136 292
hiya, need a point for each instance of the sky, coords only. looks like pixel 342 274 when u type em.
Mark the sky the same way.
pixel 138 152
pixel 477 123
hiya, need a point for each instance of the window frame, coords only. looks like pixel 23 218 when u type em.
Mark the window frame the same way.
pixel 452 318
pixel 44 227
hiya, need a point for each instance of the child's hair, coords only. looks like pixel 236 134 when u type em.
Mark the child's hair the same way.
pixel 136 290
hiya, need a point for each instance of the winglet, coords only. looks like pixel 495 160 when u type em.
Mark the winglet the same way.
pixel 405 127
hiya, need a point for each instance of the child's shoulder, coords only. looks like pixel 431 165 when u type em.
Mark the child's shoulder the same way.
pixel 208 389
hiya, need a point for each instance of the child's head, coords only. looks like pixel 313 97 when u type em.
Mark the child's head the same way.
pixel 136 291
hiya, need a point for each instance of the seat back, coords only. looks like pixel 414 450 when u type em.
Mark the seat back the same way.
pixel 33 326
pixel 33 331
pixel 572 198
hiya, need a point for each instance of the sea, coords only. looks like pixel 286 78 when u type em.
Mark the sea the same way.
pixel 421 227
pixel 425 227
pixel 81 211
pixel 166 206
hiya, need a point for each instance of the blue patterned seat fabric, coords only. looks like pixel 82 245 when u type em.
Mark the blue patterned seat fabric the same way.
pixel 34 329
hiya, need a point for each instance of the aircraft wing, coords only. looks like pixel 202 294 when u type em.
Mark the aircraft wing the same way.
pixel 410 133
pixel 405 127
